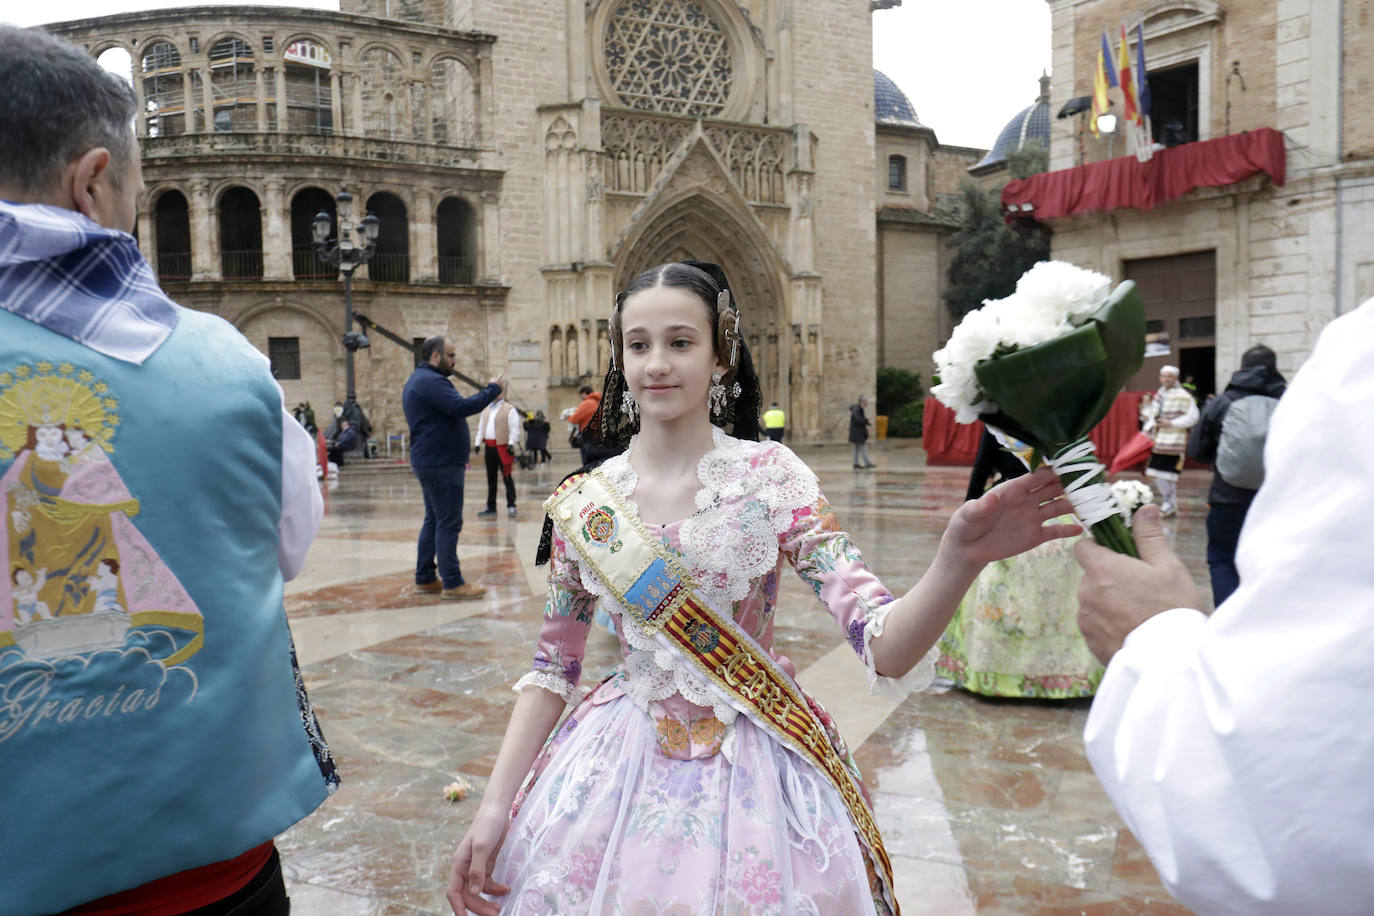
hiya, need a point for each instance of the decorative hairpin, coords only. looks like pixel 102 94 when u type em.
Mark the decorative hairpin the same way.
pixel 723 304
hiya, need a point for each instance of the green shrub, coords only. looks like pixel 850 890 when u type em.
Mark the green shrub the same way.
pixel 906 422
pixel 897 388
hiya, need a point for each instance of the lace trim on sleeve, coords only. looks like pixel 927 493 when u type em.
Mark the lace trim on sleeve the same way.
pixel 921 675
pixel 553 682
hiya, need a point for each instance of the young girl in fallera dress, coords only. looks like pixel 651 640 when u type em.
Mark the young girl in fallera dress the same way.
pixel 698 779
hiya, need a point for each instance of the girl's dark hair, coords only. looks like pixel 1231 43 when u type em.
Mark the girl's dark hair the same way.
pixel 611 429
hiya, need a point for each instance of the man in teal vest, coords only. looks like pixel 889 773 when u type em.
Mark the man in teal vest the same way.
pixel 155 734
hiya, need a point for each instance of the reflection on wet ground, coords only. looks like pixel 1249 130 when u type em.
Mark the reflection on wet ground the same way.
pixel 987 806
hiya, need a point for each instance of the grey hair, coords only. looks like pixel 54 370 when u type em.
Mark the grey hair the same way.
pixel 57 104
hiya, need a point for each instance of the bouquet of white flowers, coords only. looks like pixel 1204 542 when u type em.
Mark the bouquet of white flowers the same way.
pixel 1044 365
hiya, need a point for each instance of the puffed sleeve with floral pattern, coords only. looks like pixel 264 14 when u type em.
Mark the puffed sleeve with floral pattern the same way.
pixel 567 621
pixel 828 561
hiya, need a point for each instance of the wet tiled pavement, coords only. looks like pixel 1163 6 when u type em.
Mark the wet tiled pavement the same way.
pixel 987 806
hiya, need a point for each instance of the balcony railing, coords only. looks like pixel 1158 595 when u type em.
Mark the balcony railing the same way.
pixel 173 266
pixel 306 265
pixel 241 265
pixel 455 270
pixel 389 267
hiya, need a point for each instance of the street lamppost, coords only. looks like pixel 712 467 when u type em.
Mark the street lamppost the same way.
pixel 344 254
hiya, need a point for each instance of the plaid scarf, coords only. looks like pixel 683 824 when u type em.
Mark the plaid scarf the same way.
pixel 81 280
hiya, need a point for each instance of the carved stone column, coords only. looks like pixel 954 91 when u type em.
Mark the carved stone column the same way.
pixel 276 241
pixel 140 107
pixel 207 91
pixel 336 101
pixel 489 244
pixel 260 93
pixel 147 241
pixel 281 100
pixel 188 102
pixel 424 255
pixel 204 253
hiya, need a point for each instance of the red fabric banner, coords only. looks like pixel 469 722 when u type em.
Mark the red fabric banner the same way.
pixel 1124 182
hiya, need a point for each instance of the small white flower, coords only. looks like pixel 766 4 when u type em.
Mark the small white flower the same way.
pixel 1130 496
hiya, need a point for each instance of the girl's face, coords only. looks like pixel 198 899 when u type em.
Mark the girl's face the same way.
pixel 669 353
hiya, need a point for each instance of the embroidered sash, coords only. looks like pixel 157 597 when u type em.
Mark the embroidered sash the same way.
pixel 655 589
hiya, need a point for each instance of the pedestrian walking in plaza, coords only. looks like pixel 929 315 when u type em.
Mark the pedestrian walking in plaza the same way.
pixel 154 496
pixel 774 422
pixel 499 432
pixel 537 437
pixel 858 433
pixel 1172 413
pixel 1230 437
pixel 439 443
pixel 702 751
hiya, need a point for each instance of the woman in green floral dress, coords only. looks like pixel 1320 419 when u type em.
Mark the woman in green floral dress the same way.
pixel 1015 634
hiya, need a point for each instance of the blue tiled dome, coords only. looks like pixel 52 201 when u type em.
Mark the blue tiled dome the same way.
pixel 890 104
pixel 1031 125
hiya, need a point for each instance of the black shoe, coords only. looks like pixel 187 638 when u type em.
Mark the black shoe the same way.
pixel 487 513
pixel 858 467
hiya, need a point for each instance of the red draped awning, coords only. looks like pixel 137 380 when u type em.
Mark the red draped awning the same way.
pixel 1124 182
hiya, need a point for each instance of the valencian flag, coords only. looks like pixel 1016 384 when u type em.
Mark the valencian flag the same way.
pixel 1123 63
pixel 1103 78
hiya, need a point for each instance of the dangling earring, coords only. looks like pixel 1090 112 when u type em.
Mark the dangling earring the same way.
pixel 628 407
pixel 715 395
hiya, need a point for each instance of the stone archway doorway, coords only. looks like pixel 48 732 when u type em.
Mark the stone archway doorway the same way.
pixel 698 227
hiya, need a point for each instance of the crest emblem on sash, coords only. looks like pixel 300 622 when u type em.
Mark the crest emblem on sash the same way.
pixel 602 528
pixel 703 637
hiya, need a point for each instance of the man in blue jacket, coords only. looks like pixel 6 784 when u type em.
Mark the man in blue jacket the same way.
pixel 439 445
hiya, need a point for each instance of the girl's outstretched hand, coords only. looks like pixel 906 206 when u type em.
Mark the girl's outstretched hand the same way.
pixel 1009 519
pixel 472 864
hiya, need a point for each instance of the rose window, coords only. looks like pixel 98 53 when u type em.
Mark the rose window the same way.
pixel 669 56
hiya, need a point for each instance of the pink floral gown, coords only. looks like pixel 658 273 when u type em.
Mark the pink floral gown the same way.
pixel 656 796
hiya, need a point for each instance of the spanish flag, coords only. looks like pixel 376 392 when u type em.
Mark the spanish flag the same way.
pixel 1103 77
pixel 1123 64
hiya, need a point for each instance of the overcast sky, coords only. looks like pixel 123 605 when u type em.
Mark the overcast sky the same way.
pixel 967 66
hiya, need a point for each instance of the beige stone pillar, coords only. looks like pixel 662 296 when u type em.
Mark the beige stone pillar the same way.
pixel 486 98
pixel 359 119
pixel 188 102
pixel 281 100
pixel 276 232
pixel 146 242
pixel 207 88
pixel 424 255
pixel 260 93
pixel 140 106
pixel 489 243
pixel 335 101
pixel 204 252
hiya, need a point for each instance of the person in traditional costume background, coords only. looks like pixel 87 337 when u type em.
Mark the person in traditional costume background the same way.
pixel 700 777
pixel 1173 411
pixel 1015 633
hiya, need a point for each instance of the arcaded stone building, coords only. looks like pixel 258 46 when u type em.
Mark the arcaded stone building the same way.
pixel 1233 263
pixel 525 160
